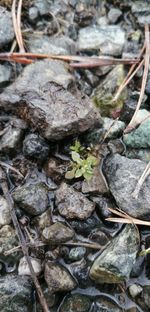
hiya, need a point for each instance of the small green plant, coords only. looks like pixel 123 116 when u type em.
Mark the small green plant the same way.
pixel 81 165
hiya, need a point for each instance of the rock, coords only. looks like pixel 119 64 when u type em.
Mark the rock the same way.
pixel 122 176
pixel 76 254
pixel 99 237
pixel 57 233
pixel 76 303
pixel 23 268
pixel 80 270
pixel 15 293
pixel 42 221
pixel 5 75
pixel 35 146
pixel 97 183
pixel 142 154
pixel 113 15
pixel 51 45
pixel 85 227
pixel 43 6
pixel 115 263
pixel 58 278
pixel 6 27
pixel 105 304
pixel 146 296
pixel 33 14
pixel 5 216
pixel 72 204
pixel 40 93
pixel 83 17
pixel 139 137
pixel 104 93
pixel 135 290
pixel 141 10
pixel 32 197
pixel 108 39
pixel 114 127
pixel 56 169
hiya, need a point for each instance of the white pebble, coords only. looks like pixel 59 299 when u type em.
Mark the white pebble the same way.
pixel 23 268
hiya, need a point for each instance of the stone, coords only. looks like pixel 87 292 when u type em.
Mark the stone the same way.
pixel 97 184
pixel 15 293
pixel 122 176
pixel 42 221
pixel 23 268
pixel 104 93
pixel 5 216
pixel 85 227
pixel 72 204
pixel 57 233
pixel 5 75
pixel 116 261
pixel 60 45
pixel 40 93
pixel 135 290
pixel 77 253
pixel 58 278
pixel 108 39
pixel 43 6
pixel 105 304
pixel 76 303
pixel 6 27
pixel 142 154
pixel 113 15
pixel 35 146
pixel 114 128
pixel 146 296
pixel 32 197
pixel 141 10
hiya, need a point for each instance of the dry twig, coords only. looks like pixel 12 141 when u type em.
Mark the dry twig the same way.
pixel 141 180
pixel 125 218
pixel 17 24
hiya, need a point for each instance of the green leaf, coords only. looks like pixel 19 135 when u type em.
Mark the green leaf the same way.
pixel 87 176
pixel 78 173
pixel 76 157
pixel 70 174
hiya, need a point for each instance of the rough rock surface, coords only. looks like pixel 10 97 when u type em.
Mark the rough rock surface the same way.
pixel 72 204
pixel 40 97
pixel 57 233
pixel 6 27
pixel 5 217
pixel 76 303
pixel 122 176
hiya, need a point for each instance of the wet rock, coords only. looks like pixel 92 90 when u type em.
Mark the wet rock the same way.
pixel 33 198
pixel 6 27
pixel 115 263
pixel 76 254
pixel 42 221
pixel 15 293
pixel 5 216
pixel 40 93
pixel 97 184
pixel 72 204
pixel 135 290
pixel 105 304
pixel 141 10
pixel 104 93
pixel 108 39
pixel 57 233
pixel 122 176
pixel 113 15
pixel 58 278
pixel 85 226
pixel 5 74
pixel 53 45
pixel 23 268
pixel 35 146
pixel 76 303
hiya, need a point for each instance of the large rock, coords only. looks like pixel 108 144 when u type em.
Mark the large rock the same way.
pixel 40 97
pixel 122 176
pixel 117 260
pixel 72 204
pixel 108 39
pixel 6 27
pixel 15 293
pixel 141 10
pixel 57 233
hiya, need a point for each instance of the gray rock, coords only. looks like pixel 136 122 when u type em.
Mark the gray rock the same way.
pixel 33 198
pixel 76 303
pixel 108 39
pixel 58 278
pixel 113 15
pixel 42 221
pixel 146 296
pixel 122 176
pixel 114 127
pixel 76 254
pixel 51 45
pixel 97 183
pixel 23 268
pixel 104 93
pixel 15 294
pixel 6 27
pixel 43 6
pixel 40 93
pixel 115 263
pixel 35 146
pixel 5 216
pixel 135 290
pixel 11 138
pixel 57 233
pixel 72 204
pixel 141 10
pixel 105 304
pixel 5 74
pixel 33 14
pixel 142 154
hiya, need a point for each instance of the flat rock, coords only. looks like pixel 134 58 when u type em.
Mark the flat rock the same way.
pixel 58 278
pixel 39 96
pixel 72 204
pixel 5 217
pixel 117 260
pixel 6 27
pixel 57 233
pixel 122 177
pixel 15 293
pixel 108 39
pixel 97 184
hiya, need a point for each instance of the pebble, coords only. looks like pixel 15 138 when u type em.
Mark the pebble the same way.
pixel 35 146
pixel 6 27
pixel 57 233
pixel 5 216
pixel 23 268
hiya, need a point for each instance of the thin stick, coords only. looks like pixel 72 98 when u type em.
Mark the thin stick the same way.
pixel 132 124
pixel 3 182
pixel 19 26
pixel 13 10
pixel 87 245
pixel 125 218
pixel 3 164
pixel 143 177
